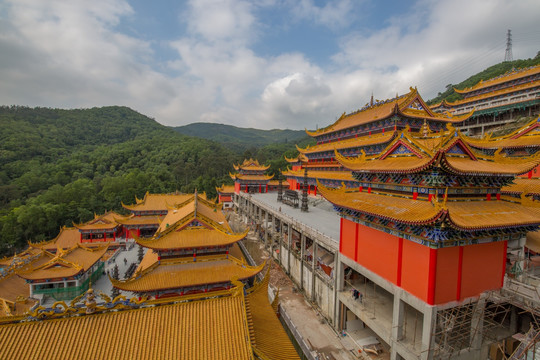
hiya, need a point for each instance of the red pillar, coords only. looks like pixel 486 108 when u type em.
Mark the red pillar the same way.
pixel 415 195
pixel 504 261
pixel 459 274
pixel 266 190
pixel 360 188
pixel 260 188
pixel 315 190
pixel 432 276
pixel 247 189
pixel 138 232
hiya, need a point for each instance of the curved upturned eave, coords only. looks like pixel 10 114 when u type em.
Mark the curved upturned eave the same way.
pixel 484 167
pixel 385 203
pixel 154 243
pixel 397 165
pixel 491 215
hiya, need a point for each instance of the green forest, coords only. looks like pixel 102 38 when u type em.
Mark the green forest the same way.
pixel 62 166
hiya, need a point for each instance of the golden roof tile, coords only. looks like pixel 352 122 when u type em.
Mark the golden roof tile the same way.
pixel 194 208
pixel 66 239
pixel 466 215
pixel 410 104
pixel 504 91
pixel 106 221
pixel 350 143
pixel 251 164
pixel 389 207
pixel 191 238
pixel 270 337
pixel 330 175
pixel 141 220
pixel 184 272
pixel 213 328
pixel 252 177
pixel 65 263
pixel 225 189
pixel 491 214
pixel 157 202
pixel 512 75
pixel 523 186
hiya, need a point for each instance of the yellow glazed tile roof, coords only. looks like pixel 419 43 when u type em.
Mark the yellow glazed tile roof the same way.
pixel 157 202
pixel 386 109
pixel 66 239
pixel 195 208
pixel 191 238
pixel 251 177
pixel 349 143
pixel 506 166
pixel 184 272
pixel 198 330
pixel 463 214
pixel 520 186
pixel 504 91
pixel 141 220
pixel 491 214
pixel 516 74
pixel 225 189
pixel 251 164
pixel 105 221
pixel 66 263
pixel 389 207
pixel 331 175
pixel 270 337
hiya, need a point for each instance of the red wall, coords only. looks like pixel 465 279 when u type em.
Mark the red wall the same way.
pixel 415 269
pixel 483 268
pixel 435 276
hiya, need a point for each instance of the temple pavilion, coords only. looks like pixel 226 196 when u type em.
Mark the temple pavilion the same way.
pixel 496 101
pixel 103 228
pixel 225 195
pixel 66 274
pixel 250 177
pixel 428 214
pixel 370 130
pixel 190 253
pixel 148 212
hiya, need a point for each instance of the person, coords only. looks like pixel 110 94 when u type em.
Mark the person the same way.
pixel 125 261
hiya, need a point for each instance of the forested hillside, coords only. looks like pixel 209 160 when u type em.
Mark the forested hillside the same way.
pixel 241 137
pixel 62 166
pixel 450 95
pixel 59 166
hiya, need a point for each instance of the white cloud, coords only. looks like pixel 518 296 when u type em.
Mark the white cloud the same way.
pixel 71 54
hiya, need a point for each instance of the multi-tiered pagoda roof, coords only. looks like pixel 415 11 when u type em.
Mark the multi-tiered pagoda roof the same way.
pixel 251 177
pixel 426 181
pixel 189 252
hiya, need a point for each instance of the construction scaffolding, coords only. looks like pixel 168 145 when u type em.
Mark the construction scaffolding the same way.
pixel 483 321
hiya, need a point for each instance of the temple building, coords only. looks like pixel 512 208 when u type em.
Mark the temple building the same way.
pixel 67 238
pixel 190 253
pixel 225 195
pixel 148 212
pixel 103 228
pixel 431 205
pixel 370 130
pixel 250 177
pixel 66 274
pixel 497 101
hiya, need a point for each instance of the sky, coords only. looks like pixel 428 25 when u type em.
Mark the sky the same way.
pixel 262 63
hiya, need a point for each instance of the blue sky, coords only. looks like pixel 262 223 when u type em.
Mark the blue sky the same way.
pixel 261 63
